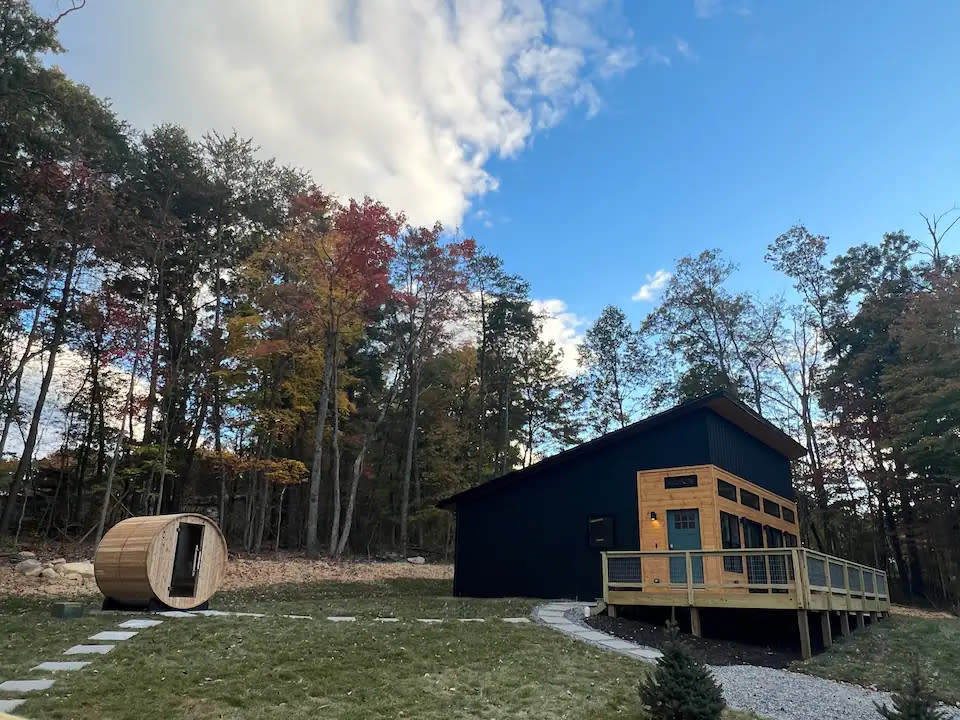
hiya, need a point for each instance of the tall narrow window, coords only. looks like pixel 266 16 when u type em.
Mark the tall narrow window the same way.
pixel 601 531
pixel 730 538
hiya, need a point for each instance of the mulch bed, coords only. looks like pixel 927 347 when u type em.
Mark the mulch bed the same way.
pixel 712 652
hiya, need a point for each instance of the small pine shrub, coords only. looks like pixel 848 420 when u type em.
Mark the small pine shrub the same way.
pixel 916 702
pixel 680 687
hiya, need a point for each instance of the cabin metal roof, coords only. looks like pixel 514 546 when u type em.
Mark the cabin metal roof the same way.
pixel 720 402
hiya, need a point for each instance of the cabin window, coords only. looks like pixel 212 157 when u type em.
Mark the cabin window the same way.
pixel 751 500
pixel 789 539
pixel 685 519
pixel 601 531
pixel 726 490
pixel 675 482
pixel 771 508
pixel 730 538
pixel 789 516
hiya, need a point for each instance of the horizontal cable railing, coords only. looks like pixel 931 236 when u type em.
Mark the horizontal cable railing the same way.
pixel 797 572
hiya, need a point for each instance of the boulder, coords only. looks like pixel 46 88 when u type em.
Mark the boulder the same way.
pixel 58 561
pixel 417 560
pixel 33 572
pixel 73 577
pixel 25 566
pixel 80 568
pixel 49 573
pixel 23 555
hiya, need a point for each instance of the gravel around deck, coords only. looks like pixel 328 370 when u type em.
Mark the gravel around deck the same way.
pixel 768 692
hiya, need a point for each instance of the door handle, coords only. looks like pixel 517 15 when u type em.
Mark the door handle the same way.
pixel 671 546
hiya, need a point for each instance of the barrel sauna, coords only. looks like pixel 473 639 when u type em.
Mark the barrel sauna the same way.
pixel 175 560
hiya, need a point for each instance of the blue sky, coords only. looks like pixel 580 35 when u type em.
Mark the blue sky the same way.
pixel 590 144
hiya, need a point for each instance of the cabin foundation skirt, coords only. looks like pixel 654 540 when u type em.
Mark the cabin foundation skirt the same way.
pixel 176 560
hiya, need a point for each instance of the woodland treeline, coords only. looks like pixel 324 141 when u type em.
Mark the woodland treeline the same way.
pixel 317 372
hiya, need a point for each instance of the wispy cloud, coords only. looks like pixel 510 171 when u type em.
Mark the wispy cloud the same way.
pixel 704 9
pixel 652 55
pixel 652 287
pixel 684 49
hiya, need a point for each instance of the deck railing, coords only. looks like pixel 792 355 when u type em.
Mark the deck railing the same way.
pixel 769 577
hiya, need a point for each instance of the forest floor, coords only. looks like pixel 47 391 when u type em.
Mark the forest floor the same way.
pixel 880 656
pixel 274 666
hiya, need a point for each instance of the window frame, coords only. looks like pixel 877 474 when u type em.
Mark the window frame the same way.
pixel 681 481
pixel 793 516
pixel 731 563
pixel 768 504
pixel 721 483
pixel 747 493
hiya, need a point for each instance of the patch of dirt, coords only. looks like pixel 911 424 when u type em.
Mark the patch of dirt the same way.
pixel 921 612
pixel 242 572
pixel 712 652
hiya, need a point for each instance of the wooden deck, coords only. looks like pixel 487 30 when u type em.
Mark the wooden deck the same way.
pixel 772 578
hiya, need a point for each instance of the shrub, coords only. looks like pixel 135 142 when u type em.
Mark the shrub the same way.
pixel 916 702
pixel 681 687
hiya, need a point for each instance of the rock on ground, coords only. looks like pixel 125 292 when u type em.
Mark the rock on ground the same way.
pixel 79 568
pixel 25 566
pixel 417 560
pixel 49 573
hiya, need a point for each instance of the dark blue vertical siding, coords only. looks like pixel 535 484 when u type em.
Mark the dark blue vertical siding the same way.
pixel 743 455
pixel 529 539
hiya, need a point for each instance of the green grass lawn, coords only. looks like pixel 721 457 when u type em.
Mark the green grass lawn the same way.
pixel 276 667
pixel 882 655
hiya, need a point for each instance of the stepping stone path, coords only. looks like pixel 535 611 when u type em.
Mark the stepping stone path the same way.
pixel 429 621
pixel 89 650
pixel 113 635
pixel 342 618
pixel 516 620
pixel 8 706
pixel 140 624
pixel 25 685
pixel 64 665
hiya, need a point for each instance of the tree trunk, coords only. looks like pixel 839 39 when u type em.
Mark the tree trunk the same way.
pixel 313 510
pixel 335 459
pixel 408 458
pixel 25 358
pixel 30 444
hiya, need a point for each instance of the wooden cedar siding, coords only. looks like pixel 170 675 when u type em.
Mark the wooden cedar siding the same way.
pixel 653 497
pixel 530 539
pixel 746 457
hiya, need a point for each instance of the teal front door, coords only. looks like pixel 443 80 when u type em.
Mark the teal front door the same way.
pixel 683 533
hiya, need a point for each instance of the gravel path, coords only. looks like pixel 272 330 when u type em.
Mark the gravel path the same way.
pixel 771 693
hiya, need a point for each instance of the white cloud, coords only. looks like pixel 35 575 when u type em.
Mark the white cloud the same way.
pixel 654 284
pixel 406 101
pixel 706 8
pixel 562 327
pixel 653 56
pixel 683 47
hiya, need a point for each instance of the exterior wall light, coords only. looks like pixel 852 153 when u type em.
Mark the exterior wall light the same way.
pixel 653 515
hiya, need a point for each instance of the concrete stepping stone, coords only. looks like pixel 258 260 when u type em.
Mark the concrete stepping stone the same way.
pixel 215 613
pixel 25 685
pixel 8 706
pixel 429 621
pixel 342 618
pixel 298 617
pixel 140 623
pixel 62 665
pixel 618 644
pixel 89 650
pixel 593 635
pixel 516 620
pixel 472 620
pixel 646 653
pixel 176 614
pixel 386 619
pixel 244 614
pixel 113 635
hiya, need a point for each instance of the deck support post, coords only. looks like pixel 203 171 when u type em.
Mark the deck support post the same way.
pixel 695 627
pixel 860 621
pixel 844 623
pixel 874 616
pixel 611 611
pixel 825 628
pixel 803 623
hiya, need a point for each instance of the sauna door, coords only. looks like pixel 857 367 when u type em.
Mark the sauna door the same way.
pixel 683 533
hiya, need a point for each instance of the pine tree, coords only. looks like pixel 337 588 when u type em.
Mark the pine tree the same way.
pixel 916 702
pixel 681 687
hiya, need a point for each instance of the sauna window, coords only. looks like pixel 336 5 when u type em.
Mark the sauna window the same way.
pixel 749 499
pixel 789 516
pixel 675 482
pixel 726 490
pixel 186 560
pixel 789 539
pixel 601 531
pixel 771 508
pixel 730 539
